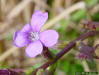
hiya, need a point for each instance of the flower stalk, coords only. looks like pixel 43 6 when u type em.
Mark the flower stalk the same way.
pixel 47 53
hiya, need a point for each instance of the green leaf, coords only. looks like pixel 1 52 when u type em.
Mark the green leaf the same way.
pixel 54 51
pixel 73 35
pixel 52 69
pixel 78 15
pixel 50 15
pixel 96 17
pixel 76 68
pixel 65 66
pixel 50 2
pixel 36 65
pixel 9 37
pixel 91 3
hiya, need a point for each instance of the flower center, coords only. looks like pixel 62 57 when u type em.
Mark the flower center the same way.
pixel 33 36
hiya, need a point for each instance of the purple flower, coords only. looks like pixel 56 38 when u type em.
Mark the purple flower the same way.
pixel 31 36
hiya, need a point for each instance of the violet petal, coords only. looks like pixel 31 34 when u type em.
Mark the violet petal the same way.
pixel 34 49
pixel 21 39
pixel 26 28
pixel 38 20
pixel 15 35
pixel 49 37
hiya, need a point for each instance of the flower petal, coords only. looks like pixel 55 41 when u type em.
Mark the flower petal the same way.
pixel 20 39
pixel 15 35
pixel 49 38
pixel 34 49
pixel 26 28
pixel 38 20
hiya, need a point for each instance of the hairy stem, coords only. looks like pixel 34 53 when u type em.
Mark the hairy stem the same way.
pixel 65 50
pixel 47 53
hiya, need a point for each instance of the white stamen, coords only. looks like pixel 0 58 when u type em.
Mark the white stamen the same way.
pixel 34 36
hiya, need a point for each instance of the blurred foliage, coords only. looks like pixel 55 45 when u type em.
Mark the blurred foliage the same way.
pixel 79 15
pixel 4 66
pixel 50 15
pixel 95 17
pixel 91 3
pixel 92 65
pixel 9 37
pixel 70 67
pixel 50 2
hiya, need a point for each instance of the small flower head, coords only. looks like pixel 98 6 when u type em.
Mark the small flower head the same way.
pixel 86 52
pixel 31 36
pixel 82 56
